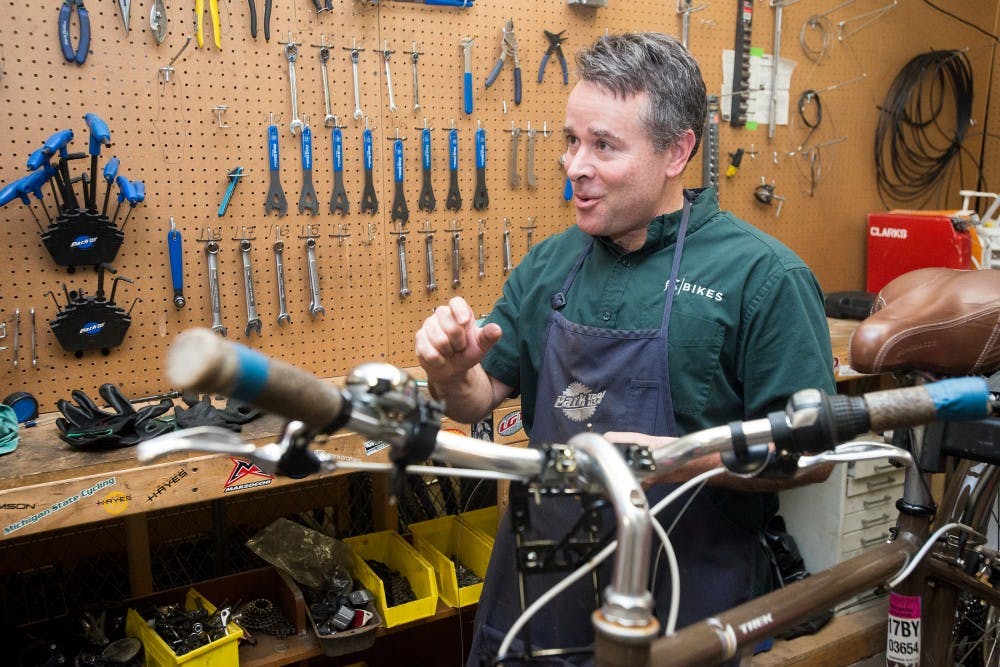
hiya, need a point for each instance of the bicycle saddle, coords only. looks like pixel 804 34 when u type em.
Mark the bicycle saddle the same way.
pixel 943 321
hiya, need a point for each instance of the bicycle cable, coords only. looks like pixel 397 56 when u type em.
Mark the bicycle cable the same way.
pixel 928 545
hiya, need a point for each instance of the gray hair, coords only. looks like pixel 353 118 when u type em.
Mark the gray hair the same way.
pixel 658 65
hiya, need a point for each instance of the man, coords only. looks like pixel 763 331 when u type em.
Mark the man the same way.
pixel 658 313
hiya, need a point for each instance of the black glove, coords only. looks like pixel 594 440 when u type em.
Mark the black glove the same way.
pixel 201 412
pixel 86 426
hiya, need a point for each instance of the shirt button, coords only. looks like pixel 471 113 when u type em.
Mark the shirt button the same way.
pixel 606 316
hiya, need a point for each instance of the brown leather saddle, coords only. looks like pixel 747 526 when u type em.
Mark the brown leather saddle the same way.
pixel 943 321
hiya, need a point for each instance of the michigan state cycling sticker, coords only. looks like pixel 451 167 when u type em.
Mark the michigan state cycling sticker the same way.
pixel 903 642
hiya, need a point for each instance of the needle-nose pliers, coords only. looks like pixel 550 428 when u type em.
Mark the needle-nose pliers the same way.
pixel 65 41
pixel 555 46
pixel 508 46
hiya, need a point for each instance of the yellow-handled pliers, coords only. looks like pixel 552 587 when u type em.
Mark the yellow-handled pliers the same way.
pixel 199 31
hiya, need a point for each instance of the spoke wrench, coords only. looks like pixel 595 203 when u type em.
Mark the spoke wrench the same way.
pixel 369 202
pixel 275 200
pixel 253 320
pixel 482 197
pixel 279 270
pixel 307 200
pixel 339 202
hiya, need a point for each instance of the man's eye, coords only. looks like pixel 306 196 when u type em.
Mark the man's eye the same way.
pixel 603 146
pixel 571 140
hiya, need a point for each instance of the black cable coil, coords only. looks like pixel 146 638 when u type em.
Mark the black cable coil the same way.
pixel 919 136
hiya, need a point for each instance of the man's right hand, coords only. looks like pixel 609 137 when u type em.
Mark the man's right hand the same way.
pixel 449 343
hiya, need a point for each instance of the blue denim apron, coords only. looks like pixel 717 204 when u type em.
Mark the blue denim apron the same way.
pixel 604 380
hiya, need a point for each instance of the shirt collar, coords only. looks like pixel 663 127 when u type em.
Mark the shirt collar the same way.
pixel 662 230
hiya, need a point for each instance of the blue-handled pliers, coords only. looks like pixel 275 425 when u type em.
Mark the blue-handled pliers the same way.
pixel 555 46
pixel 508 46
pixel 65 41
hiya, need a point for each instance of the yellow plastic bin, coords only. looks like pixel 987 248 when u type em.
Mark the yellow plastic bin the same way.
pixel 389 548
pixel 484 520
pixel 222 652
pixel 440 540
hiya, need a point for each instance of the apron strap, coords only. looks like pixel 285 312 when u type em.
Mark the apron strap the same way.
pixel 558 299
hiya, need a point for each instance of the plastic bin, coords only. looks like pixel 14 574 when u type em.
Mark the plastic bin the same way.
pixel 484 520
pixel 389 548
pixel 349 641
pixel 222 652
pixel 440 540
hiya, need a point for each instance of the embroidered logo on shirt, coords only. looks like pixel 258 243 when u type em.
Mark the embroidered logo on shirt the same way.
pixel 578 402
pixel 684 285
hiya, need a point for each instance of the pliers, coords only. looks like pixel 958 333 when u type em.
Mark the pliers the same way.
pixel 555 46
pixel 508 46
pixel 65 41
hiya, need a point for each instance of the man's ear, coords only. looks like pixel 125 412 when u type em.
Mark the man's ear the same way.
pixel 680 153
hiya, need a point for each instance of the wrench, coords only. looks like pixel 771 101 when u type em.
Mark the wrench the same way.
pixel 507 266
pixel 307 200
pixel 400 212
pixel 429 255
pixel 17 333
pixel 292 53
pixel 338 202
pixel 329 120
pixel 482 197
pixel 386 53
pixel 212 249
pixel 355 51
pixel 427 202
pixel 314 305
pixel 275 200
pixel 369 202
pixel 482 248
pixel 253 320
pixel 513 177
pixel 34 347
pixel 529 233
pixel 404 283
pixel 414 55
pixel 456 260
pixel 454 202
pixel 529 176
pixel 279 270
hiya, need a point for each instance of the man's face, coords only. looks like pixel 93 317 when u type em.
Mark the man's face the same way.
pixel 620 183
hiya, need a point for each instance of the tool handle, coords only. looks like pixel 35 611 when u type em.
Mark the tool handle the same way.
pixel 468 92
pixel 568 189
pixel 397 160
pixel 425 149
pixel 565 71
pixel 199 27
pixel 338 150
pixel 64 39
pixel 541 68
pixel 84 47
pixel 267 20
pixel 99 133
pixel 11 191
pixel 461 4
pixel 272 147
pixel 234 178
pixel 480 148
pixel 453 150
pixel 139 190
pixel 517 85
pixel 175 251
pixel 307 148
pixel 494 73
pixel 367 142
pixel 126 190
pixel 34 181
pixel 253 18
pixel 111 170
pixel 57 142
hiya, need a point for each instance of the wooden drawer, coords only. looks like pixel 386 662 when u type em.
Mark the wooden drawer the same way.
pixel 865 469
pixel 877 516
pixel 865 485
pixel 882 498
pixel 864 539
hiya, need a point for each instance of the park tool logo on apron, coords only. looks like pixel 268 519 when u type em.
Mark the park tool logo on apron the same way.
pixel 578 402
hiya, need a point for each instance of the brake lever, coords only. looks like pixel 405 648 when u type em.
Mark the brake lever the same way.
pixel 211 439
pixel 858 450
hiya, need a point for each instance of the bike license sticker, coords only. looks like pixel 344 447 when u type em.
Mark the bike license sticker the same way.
pixel 903 642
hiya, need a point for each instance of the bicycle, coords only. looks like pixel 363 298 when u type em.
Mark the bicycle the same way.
pixel 382 402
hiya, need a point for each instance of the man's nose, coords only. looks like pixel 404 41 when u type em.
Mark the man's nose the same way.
pixel 576 164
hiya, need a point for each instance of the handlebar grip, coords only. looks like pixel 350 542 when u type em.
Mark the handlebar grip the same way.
pixel 200 360
pixel 955 399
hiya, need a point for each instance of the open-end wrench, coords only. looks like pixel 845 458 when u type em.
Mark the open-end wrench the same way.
pixel 482 198
pixel 212 250
pixel 292 53
pixel 429 257
pixel 404 281
pixel 454 202
pixel 279 271
pixel 414 55
pixel 275 200
pixel 369 202
pixel 307 200
pixel 315 307
pixel 529 175
pixel 427 201
pixel 338 201
pixel 456 258
pixel 355 55
pixel 400 211
pixel 529 234
pixel 329 120
pixel 482 247
pixel 513 177
pixel 507 265
pixel 386 54
pixel 253 319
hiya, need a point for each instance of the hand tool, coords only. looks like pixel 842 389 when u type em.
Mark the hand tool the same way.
pixel 267 20
pixel 253 320
pixel 199 18
pixel 355 56
pixel 275 200
pixel 158 21
pixel 741 64
pixel 555 46
pixel 529 176
pixel 685 9
pixel 37 160
pixel 429 257
pixel 234 177
pixel 99 135
pixel 404 281
pixel 764 193
pixel 508 47
pixel 79 56
pixel 279 271
pixel 315 308
pixel 386 54
pixel 414 55
pixel 253 18
pixel 400 212
pixel 481 238
pixel 460 4
pixel 338 201
pixel 123 7
pixel 34 347
pixel 17 334
pixel 369 202
pixel 735 159
pixel 126 191
pixel 529 234
pixel 292 53
pixel 513 177
pixel 427 202
pixel 57 143
pixel 568 190
pixel 456 257
pixel 507 266
pixel 466 44
pixel 329 120
pixel 710 149
pixel 176 251
pixel 482 198
pixel 454 202
pixel 307 199
pixel 212 252
pixel 20 188
pixel 138 195
pixel 213 9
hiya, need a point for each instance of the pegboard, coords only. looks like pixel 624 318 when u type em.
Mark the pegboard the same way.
pixel 182 136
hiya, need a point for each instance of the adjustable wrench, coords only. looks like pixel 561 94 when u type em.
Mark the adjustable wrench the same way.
pixel 513 177
pixel 482 198
pixel 386 54
pixel 400 212
pixel 369 202
pixel 279 270
pixel 307 200
pixel 429 256
pixel 454 202
pixel 338 201
pixel 355 51
pixel 292 53
pixel 315 308
pixel 253 320
pixel 427 202
pixel 212 250
pixel 275 200
pixel 329 120
pixel 529 176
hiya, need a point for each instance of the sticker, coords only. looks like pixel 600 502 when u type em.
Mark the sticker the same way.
pixel 58 506
pixel 243 469
pixel 375 446
pixel 115 502
pixel 903 632
pixel 510 424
